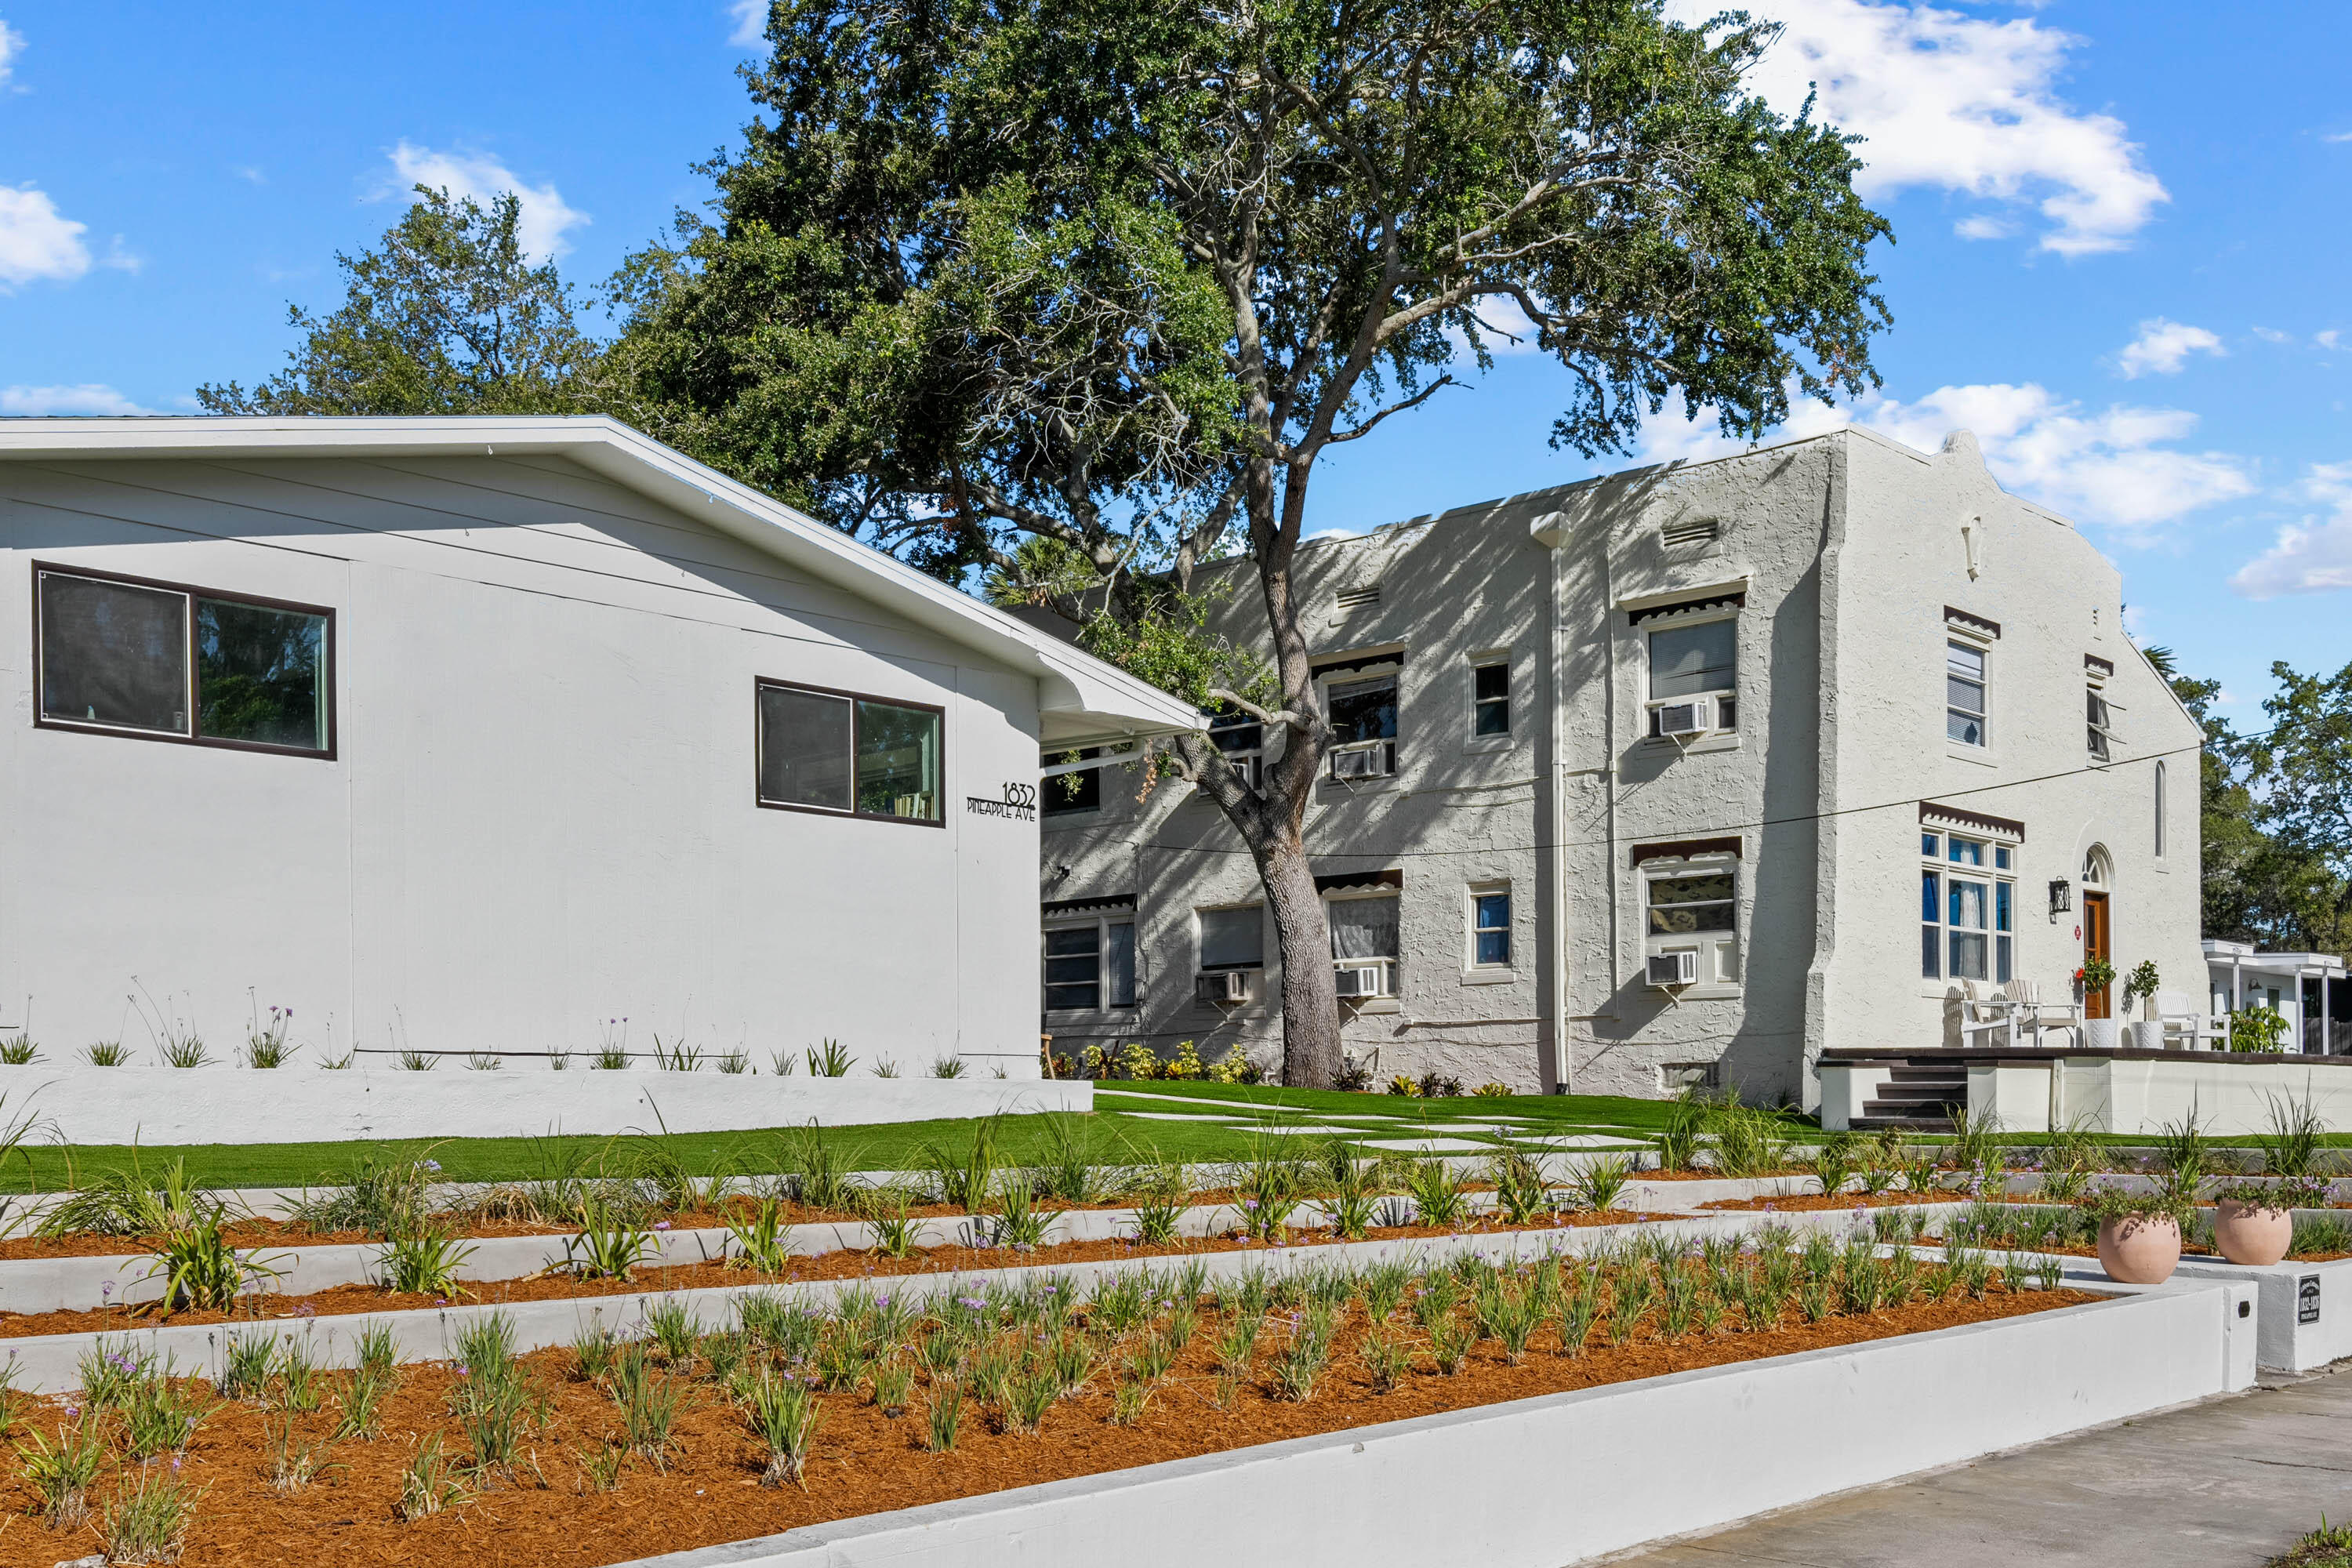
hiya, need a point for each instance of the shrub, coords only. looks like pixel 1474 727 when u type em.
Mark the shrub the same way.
pixel 1353 1077
pixel 1435 1085
pixel 1405 1086
pixel 1493 1092
pixel 201 1270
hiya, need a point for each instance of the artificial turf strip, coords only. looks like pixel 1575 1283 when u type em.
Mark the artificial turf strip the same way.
pixel 1107 1136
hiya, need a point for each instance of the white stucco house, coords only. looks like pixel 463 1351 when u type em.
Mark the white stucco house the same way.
pixel 1687 774
pixel 456 734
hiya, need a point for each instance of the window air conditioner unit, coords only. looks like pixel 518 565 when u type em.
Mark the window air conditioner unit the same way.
pixel 1667 970
pixel 1223 988
pixel 1363 763
pixel 1690 718
pixel 1360 981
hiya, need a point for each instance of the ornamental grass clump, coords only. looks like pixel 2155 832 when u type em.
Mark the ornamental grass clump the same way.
pixel 943 1417
pixel 784 1417
pixel 608 1245
pixel 158 1418
pixel 1678 1141
pixel 649 1406
pixel 290 1460
pixel 61 1474
pixel 246 1359
pixel 149 1521
pixel 1599 1182
pixel 425 1263
pixel 1019 1221
pixel 1439 1198
pixel 2297 1133
pixel 1522 1185
pixel 430 1484
pixel 760 1238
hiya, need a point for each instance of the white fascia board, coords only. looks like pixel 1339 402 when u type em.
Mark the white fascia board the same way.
pixel 1081 697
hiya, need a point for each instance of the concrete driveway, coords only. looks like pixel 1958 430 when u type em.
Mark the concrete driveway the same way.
pixel 2233 1482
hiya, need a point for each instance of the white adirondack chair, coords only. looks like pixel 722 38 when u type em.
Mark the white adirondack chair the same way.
pixel 2189 1028
pixel 2037 1016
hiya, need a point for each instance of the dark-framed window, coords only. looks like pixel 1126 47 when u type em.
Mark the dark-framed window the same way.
pixel 1090 964
pixel 170 661
pixel 848 753
pixel 1490 698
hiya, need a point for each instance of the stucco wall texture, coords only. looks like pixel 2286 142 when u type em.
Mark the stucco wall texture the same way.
pixel 1845 553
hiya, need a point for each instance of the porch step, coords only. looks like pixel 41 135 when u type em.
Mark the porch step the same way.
pixel 1916 1098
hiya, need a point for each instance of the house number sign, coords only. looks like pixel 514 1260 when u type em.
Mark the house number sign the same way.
pixel 2306 1300
pixel 1018 802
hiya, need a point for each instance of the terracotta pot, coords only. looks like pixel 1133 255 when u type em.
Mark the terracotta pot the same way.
pixel 2245 1234
pixel 2139 1249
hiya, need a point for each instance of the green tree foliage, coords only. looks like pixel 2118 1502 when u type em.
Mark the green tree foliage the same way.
pixel 446 316
pixel 2277 856
pixel 1118 275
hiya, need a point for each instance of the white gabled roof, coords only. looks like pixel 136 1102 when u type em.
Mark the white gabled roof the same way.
pixel 1082 699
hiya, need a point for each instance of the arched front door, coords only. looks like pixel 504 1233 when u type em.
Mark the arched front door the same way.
pixel 2097 930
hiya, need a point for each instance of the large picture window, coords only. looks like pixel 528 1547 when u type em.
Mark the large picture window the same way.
pixel 1968 909
pixel 165 661
pixel 842 753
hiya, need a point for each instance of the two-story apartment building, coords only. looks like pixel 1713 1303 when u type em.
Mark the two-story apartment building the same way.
pixel 1682 775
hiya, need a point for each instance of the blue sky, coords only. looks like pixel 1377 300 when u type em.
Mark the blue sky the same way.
pixel 2121 239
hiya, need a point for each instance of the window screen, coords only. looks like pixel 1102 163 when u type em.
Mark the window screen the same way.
pixel 1491 920
pixel 1119 962
pixel 1364 711
pixel 1682 905
pixel 114 654
pixel 804 748
pixel 1964 694
pixel 897 761
pixel 1073 968
pixel 261 675
pixel 1362 928
pixel 1230 938
pixel 1491 698
pixel 1687 660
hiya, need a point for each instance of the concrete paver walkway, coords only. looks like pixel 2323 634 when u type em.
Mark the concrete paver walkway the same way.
pixel 2227 1482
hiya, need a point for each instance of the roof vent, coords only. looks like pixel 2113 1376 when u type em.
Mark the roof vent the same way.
pixel 1359 598
pixel 1691 531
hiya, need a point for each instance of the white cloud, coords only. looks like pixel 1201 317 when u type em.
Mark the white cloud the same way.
pixel 1505 329
pixel 2328 339
pixel 750 22
pixel 250 174
pixel 1962 103
pixel 2273 335
pixel 91 397
pixel 2164 346
pixel 12 44
pixel 545 217
pixel 2118 468
pixel 2313 554
pixel 37 240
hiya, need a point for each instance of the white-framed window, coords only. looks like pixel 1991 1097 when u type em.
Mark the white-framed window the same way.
pixel 2160 810
pixel 1074 793
pixel 1361 707
pixel 1490 926
pixel 1233 938
pixel 1243 740
pixel 1490 697
pixel 2098 719
pixel 1968 908
pixel 1089 962
pixel 1693 906
pixel 1965 685
pixel 1693 675
pixel 1364 940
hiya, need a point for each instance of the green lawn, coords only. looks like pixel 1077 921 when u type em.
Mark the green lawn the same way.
pixel 1108 1137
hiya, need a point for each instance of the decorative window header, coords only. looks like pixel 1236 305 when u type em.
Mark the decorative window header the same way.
pixel 1732 601
pixel 1684 848
pixel 1341 880
pixel 1082 906
pixel 1954 817
pixel 2102 666
pixel 1340 664
pixel 1961 620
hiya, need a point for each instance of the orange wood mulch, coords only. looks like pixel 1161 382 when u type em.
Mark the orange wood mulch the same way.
pixel 862 1461
pixel 344 1300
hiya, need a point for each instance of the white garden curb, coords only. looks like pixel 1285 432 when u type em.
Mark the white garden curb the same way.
pixel 1568 1477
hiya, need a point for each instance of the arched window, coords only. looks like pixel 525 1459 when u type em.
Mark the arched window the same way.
pixel 2160 811
pixel 2095 868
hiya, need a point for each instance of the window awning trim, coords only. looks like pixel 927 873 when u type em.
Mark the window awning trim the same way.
pixel 1087 906
pixel 1737 599
pixel 1339 880
pixel 1340 664
pixel 1953 816
pixel 1684 848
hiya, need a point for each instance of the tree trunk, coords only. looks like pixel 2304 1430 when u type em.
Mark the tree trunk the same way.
pixel 1310 1003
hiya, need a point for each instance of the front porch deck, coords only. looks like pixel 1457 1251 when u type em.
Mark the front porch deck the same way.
pixel 2035 1089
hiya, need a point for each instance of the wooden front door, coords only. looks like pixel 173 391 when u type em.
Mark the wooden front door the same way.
pixel 2094 945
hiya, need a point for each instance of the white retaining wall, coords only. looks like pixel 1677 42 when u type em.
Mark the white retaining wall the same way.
pixel 1568 1477
pixel 156 1105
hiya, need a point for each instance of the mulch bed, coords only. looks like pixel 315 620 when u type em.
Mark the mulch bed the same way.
pixel 1808 1203
pixel 862 1462
pixel 846 1264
